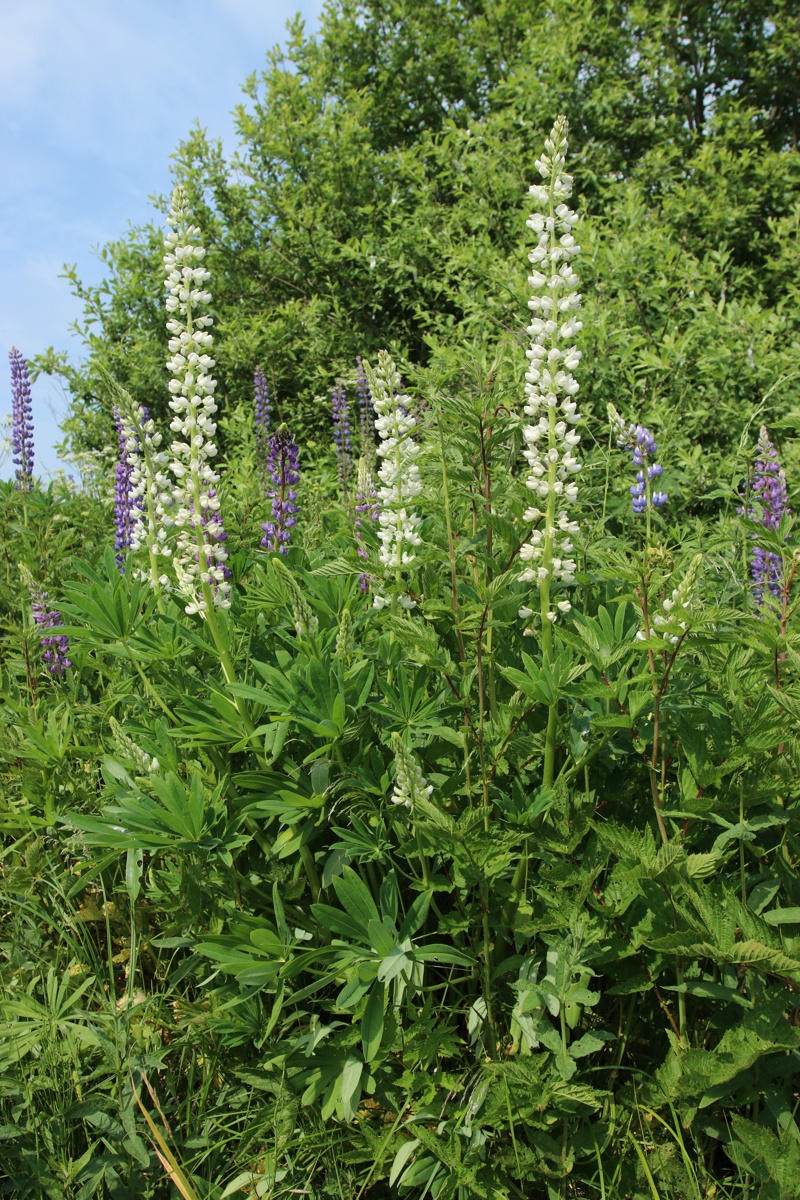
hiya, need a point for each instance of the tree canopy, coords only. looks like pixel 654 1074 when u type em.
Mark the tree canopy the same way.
pixel 378 197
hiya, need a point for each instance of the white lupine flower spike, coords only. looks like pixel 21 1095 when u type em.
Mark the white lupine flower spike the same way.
pixel 550 387
pixel 399 476
pixel 199 563
pixel 150 494
pixel 410 784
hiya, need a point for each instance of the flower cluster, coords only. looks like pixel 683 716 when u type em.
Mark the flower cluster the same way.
pixel 550 386
pixel 769 490
pixel 399 473
pixel 200 560
pixel 366 414
pixel 305 619
pixel 282 464
pixel 22 420
pixel 55 646
pixel 124 519
pixel 643 446
pixel 344 638
pixel 367 503
pixel 410 784
pixel 144 764
pixel 342 436
pixel 261 413
pixel 149 496
pixel 674 619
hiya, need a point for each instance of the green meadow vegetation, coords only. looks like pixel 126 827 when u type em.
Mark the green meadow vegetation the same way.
pixel 398 749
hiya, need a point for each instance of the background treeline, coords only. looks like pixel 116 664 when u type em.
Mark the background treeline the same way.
pixel 379 189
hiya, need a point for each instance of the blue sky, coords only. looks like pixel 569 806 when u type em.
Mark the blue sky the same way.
pixel 94 97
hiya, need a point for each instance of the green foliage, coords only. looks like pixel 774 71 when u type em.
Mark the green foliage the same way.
pixel 315 897
pixel 378 191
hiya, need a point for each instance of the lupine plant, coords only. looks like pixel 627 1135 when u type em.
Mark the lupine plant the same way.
pixel 124 503
pixel 262 411
pixel 22 420
pixel 283 465
pixel 483 885
pixel 769 491
pixel 342 438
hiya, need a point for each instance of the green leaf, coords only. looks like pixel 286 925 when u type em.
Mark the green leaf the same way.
pixel 355 898
pixel 782 916
pixel 401 1158
pixel 372 1021
pixel 350 1087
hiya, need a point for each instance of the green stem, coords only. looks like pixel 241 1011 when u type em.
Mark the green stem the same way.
pixel 742 874
pixel 152 693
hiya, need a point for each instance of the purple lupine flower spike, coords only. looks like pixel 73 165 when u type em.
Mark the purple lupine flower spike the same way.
pixel 284 472
pixel 367 503
pixel 366 413
pixel 644 447
pixel 22 420
pixel 342 436
pixel 769 489
pixel 124 502
pixel 261 414
pixel 55 646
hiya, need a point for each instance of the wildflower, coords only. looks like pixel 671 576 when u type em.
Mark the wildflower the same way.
pixel 769 489
pixel 674 619
pixel 55 646
pixel 261 413
pixel 142 761
pixel 366 415
pixel 399 474
pixel 149 492
pixel 344 638
pixel 550 386
pixel 22 421
pixel 342 436
pixel 644 448
pixel 366 503
pixel 124 504
pixel 620 431
pixel 410 784
pixel 304 617
pixel 282 464
pixel 200 559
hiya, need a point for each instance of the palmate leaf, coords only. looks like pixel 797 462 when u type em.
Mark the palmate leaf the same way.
pixel 109 608
pixel 179 818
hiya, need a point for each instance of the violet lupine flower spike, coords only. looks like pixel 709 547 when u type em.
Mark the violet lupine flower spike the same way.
pixel 261 413
pixel 283 469
pixel 644 448
pixel 342 438
pixel 366 416
pixel 22 420
pixel 200 560
pixel 769 489
pixel 124 504
pixel 550 386
pixel 55 646
pixel 399 476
